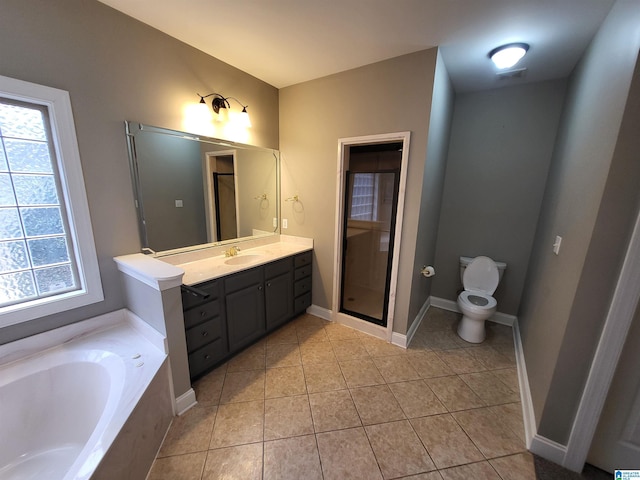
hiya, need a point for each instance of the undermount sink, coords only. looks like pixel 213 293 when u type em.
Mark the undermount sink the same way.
pixel 243 259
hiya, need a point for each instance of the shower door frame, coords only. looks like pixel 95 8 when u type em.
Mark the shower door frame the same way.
pixel 336 315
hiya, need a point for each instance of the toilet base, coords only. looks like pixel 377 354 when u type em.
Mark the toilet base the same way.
pixel 471 330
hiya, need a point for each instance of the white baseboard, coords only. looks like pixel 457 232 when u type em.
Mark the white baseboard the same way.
pixel 405 340
pixel 498 317
pixel 537 444
pixel 321 312
pixel 185 401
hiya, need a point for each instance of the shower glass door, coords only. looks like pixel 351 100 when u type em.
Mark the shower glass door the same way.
pixel 367 243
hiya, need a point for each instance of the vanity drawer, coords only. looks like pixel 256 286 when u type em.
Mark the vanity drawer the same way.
pixel 212 288
pixel 302 286
pixel 201 313
pixel 279 267
pixel 303 259
pixel 302 272
pixel 302 303
pixel 204 333
pixel 206 357
pixel 243 280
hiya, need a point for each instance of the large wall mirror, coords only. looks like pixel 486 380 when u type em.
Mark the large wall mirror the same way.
pixel 194 192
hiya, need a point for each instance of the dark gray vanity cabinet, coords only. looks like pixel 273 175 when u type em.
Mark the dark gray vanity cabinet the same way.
pixel 244 301
pixel 302 282
pixel 278 288
pixel 243 307
pixel 205 327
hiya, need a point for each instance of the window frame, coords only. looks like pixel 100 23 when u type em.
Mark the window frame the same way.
pixel 67 157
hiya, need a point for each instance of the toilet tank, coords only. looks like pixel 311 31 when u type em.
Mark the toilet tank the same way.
pixel 464 261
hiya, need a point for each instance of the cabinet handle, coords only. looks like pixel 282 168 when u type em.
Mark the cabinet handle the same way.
pixel 259 287
pixel 205 333
pixel 268 284
pixel 207 356
pixel 203 313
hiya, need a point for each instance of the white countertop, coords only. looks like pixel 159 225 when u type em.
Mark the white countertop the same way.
pixel 218 266
pixel 190 268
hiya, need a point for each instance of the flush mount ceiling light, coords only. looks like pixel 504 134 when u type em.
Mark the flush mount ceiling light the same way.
pixel 221 107
pixel 506 56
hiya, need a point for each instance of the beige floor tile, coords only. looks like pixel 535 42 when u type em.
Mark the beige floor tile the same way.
pixel 435 475
pixel 379 348
pixel 439 319
pixel 238 423
pixel 287 417
pixel 487 432
pixel 308 320
pixel 376 404
pixel 333 411
pixel 179 467
pixel 283 355
pixel 346 454
pixel 311 334
pixel 428 365
pixel 510 415
pixel 398 449
pixel 446 442
pixel 506 349
pixel 243 386
pixel 498 334
pixel 317 352
pixel 491 358
pixel 443 340
pixel 335 331
pixel 490 388
pixel 516 467
pixel 349 349
pixel 247 360
pixel 190 432
pixel 284 382
pixel 508 376
pixel 323 377
pixel 209 388
pixel 480 470
pixel 460 361
pixel 284 335
pixel 454 393
pixel 395 368
pixel 239 462
pixel 292 459
pixel 416 399
pixel 361 372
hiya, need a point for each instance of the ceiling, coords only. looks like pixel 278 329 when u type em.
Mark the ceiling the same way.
pixel 284 42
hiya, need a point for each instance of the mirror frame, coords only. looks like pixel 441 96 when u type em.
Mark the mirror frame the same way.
pixel 130 126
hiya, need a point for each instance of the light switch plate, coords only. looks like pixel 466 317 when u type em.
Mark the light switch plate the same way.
pixel 556 245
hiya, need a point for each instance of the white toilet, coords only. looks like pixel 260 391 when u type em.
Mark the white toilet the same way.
pixel 480 278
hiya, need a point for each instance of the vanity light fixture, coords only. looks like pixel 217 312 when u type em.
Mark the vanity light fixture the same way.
pixel 221 107
pixel 506 56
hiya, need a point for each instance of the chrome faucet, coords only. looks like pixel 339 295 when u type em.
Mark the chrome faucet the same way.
pixel 232 252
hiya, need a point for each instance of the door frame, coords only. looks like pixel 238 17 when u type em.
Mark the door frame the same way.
pixel 209 204
pixel 337 316
pixel 612 340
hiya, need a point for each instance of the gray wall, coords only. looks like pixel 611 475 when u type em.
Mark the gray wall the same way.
pixel 115 69
pixel 389 96
pixel 501 146
pixel 592 187
pixel 442 102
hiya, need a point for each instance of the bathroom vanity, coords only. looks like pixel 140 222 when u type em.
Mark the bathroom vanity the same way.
pixel 226 314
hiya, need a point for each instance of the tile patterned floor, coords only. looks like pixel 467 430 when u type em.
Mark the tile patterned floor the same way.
pixel 316 400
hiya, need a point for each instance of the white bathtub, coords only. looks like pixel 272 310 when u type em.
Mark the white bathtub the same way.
pixel 63 407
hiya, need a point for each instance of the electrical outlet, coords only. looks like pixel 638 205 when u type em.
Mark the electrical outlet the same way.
pixel 556 245
pixel 275 222
pixel 285 223
pixel 178 203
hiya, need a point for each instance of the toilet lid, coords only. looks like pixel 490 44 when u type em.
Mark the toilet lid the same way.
pixel 481 276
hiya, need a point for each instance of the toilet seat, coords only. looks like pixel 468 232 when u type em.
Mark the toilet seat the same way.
pixel 477 302
pixel 481 276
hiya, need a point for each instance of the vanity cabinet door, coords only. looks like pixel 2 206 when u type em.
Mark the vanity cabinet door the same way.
pixel 278 299
pixel 244 302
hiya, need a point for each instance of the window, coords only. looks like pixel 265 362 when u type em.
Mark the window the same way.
pixel 47 255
